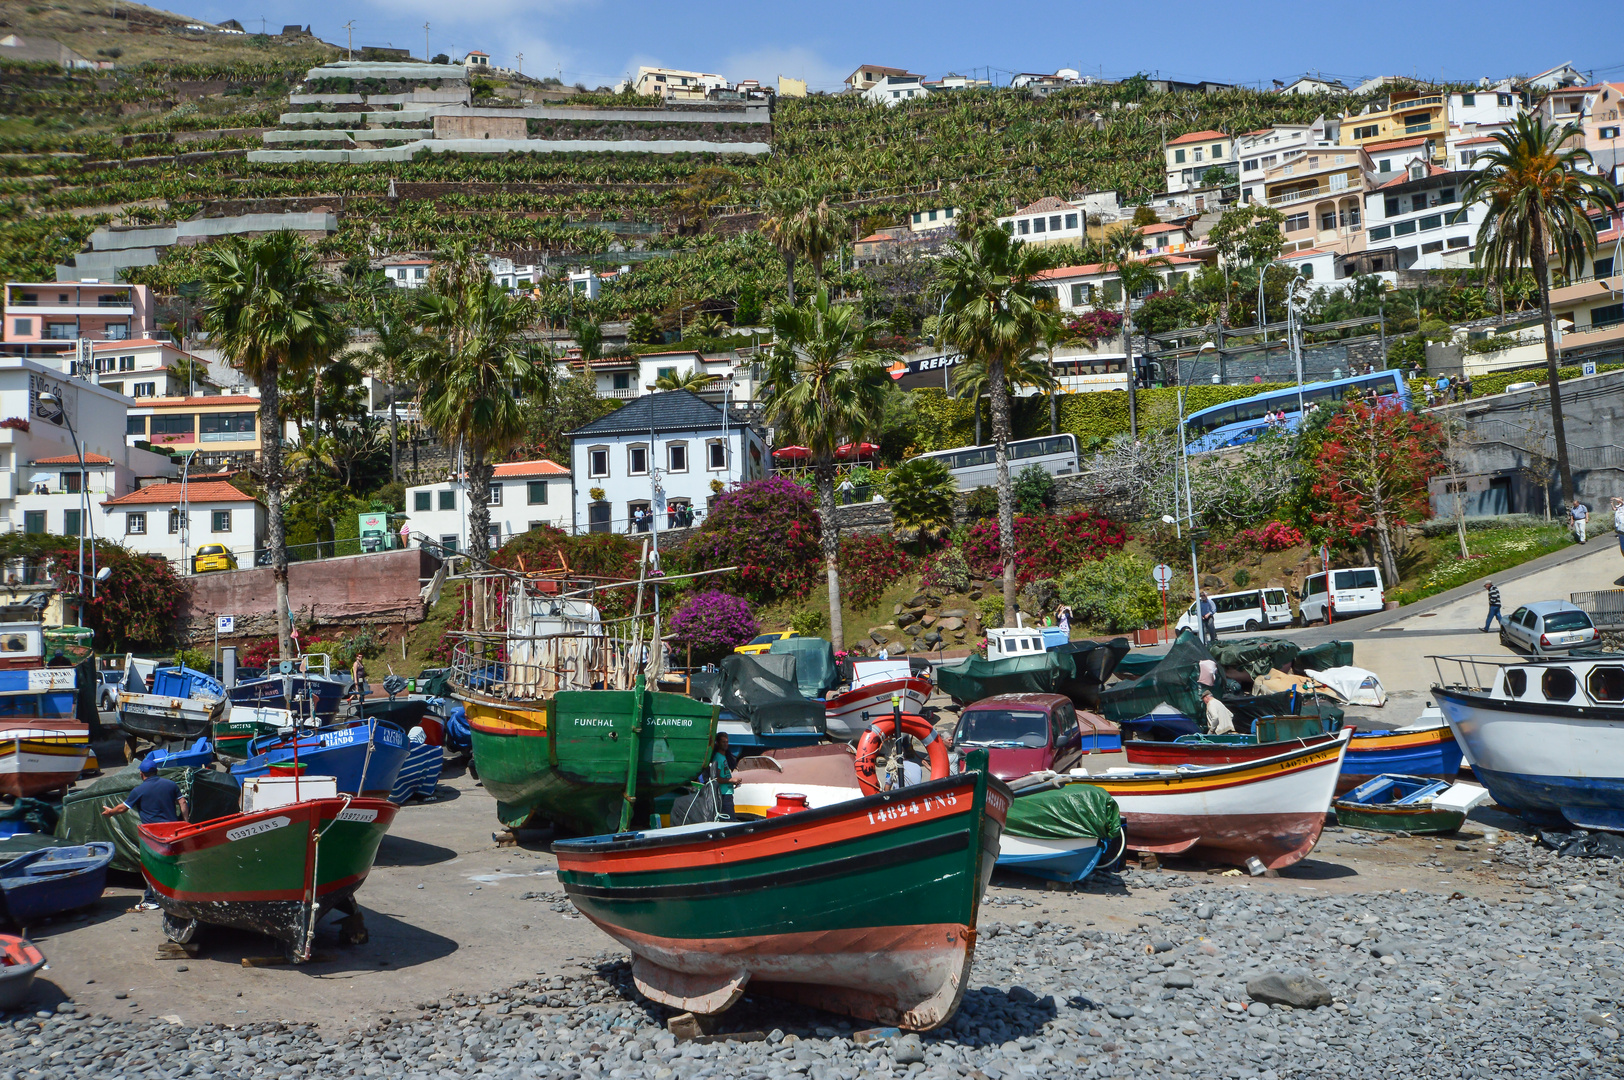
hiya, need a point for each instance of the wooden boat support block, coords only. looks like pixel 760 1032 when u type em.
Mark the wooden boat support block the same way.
pixel 174 950
pixel 733 1036
pixel 688 1026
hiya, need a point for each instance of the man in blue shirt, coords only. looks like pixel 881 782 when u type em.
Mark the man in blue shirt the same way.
pixel 156 800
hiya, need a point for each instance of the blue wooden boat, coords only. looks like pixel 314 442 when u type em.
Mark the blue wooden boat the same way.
pixel 180 703
pixel 50 881
pixel 38 694
pixel 742 738
pixel 1160 727
pixel 1427 748
pixel 19 960
pixel 1394 803
pixel 198 755
pixel 1059 833
pixel 365 756
pixel 421 773
pixel 305 696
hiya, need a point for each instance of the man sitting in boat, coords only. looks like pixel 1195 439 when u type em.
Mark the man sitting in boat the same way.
pixel 1220 721
pixel 157 800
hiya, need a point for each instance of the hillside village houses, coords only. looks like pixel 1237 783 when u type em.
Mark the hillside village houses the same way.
pixel 523 496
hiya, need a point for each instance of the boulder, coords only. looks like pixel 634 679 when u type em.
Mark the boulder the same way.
pixel 933 637
pixel 918 601
pixel 929 620
pixel 877 638
pixel 1293 991
pixel 1211 581
pixel 906 618
pixel 954 613
pixel 952 623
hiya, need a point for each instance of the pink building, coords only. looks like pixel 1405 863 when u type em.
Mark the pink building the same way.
pixel 61 312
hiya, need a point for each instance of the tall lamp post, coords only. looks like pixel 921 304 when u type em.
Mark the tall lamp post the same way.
pixel 50 398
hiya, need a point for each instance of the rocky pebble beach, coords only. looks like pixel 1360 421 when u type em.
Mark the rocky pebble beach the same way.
pixel 1216 980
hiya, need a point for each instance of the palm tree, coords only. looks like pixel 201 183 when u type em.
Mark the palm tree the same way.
pixel 993 318
pixel 695 381
pixel 1136 274
pixel 822 232
pixel 971 378
pixel 390 361
pixel 1537 200
pixel 269 311
pixel 826 388
pixel 471 366
pixel 784 225
pixel 588 334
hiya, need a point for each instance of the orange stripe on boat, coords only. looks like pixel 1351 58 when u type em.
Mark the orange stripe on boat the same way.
pixel 1233 776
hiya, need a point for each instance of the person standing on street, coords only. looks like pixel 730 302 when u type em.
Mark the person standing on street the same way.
pixel 157 801
pixel 1209 618
pixel 1618 522
pixel 1579 514
pixel 1494 606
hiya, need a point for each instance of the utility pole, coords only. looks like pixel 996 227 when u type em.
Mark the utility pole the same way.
pixel 350 28
pixel 426 53
pixel 519 62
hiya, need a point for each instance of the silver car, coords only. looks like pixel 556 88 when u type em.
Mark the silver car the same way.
pixel 1550 626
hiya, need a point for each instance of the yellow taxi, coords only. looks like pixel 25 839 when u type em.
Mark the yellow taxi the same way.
pixel 213 557
pixel 763 642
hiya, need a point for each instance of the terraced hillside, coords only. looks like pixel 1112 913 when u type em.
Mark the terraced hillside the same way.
pixel 167 138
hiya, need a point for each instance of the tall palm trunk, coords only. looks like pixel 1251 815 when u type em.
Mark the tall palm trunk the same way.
pixel 1133 376
pixel 831 552
pixel 1542 274
pixel 998 392
pixel 789 275
pixel 394 439
pixel 270 422
pixel 479 531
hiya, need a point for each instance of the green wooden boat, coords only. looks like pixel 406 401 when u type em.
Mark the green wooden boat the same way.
pixel 242 724
pixel 866 907
pixel 1394 803
pixel 973 678
pixel 275 871
pixel 566 761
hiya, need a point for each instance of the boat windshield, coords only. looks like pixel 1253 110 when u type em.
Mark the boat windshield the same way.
pixel 1002 727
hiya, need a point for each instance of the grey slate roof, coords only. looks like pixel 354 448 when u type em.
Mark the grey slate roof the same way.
pixel 673 410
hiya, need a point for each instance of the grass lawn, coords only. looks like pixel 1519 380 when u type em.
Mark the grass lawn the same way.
pixel 1431 565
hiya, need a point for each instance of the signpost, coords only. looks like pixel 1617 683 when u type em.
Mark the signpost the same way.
pixel 1162 574
pixel 1588 367
pixel 223 624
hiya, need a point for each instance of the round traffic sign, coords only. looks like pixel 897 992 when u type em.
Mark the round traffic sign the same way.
pixel 1162 573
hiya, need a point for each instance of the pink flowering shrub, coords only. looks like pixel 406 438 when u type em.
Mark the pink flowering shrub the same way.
pixel 713 624
pixel 768 529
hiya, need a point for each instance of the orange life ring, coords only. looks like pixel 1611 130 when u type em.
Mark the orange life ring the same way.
pixel 868 748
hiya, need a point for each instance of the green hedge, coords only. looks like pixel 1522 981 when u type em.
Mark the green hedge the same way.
pixel 1495 383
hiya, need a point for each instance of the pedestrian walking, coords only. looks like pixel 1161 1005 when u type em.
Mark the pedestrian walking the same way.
pixel 1494 606
pixel 1579 515
pixel 157 801
pixel 1209 618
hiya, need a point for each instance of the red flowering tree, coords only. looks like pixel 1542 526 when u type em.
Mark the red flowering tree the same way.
pixel 1046 545
pixel 1372 473
pixel 137 607
pixel 868 564
pixel 769 530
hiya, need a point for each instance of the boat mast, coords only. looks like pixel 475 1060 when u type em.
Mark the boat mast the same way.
pixel 633 747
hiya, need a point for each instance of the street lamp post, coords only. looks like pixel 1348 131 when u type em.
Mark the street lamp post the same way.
pixel 49 398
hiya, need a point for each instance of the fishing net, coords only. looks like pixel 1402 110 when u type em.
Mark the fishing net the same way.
pixel 1173 681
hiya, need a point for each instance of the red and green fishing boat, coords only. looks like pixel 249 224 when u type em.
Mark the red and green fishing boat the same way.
pixel 866 907
pixel 568 760
pixel 274 871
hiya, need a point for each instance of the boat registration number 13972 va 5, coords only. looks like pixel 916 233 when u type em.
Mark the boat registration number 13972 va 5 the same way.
pixel 243 832
pixel 916 806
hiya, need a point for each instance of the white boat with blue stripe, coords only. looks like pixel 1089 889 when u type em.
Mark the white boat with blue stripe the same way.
pixel 1545 736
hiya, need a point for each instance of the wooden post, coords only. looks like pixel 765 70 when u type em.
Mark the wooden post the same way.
pixel 639 700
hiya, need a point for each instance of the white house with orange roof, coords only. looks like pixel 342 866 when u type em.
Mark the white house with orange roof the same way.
pixel 1192 155
pixel 1418 213
pixel 174 519
pixel 149 368
pixel 523 496
pixel 1083 288
pixel 1047 221
pixel 477 60
pixel 406 271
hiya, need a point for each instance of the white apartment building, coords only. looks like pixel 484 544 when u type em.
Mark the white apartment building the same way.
pixel 631 376
pixel 1418 213
pixel 512 276
pixel 147 367
pixel 523 495
pixel 1083 288
pixel 174 520
pixel 660 455
pixel 896 89
pixel 1048 220
pixel 674 83
pixel 1261 150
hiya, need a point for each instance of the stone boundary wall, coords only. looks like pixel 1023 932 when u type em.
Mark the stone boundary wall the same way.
pixel 506 146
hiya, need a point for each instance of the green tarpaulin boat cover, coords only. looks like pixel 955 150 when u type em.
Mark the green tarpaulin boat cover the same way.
pixel 814 663
pixel 1173 681
pixel 1255 655
pixel 35 815
pixel 1252 707
pixel 1062 813
pixel 973 678
pixel 1137 663
pixel 209 795
pixel 1325 656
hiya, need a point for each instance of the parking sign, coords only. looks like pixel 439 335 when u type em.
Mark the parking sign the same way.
pixel 225 624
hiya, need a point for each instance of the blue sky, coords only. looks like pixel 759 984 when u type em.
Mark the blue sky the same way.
pixel 599 41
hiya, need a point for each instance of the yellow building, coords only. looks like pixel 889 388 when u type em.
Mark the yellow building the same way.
pixel 1402 114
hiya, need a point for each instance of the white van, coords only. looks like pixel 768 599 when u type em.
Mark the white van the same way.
pixel 1256 609
pixel 1353 592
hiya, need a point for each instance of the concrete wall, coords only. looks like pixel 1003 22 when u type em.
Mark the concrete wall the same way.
pixel 453 126
pixel 199 229
pixel 357 589
pixel 504 146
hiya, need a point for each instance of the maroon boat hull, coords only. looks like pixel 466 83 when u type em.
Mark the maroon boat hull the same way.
pixel 1142 752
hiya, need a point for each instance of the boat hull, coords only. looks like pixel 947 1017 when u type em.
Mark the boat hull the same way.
pixel 240 725
pixel 1070 860
pixel 158 718
pixel 1543 760
pixel 420 776
pixel 53 880
pixel 22 961
pixel 1433 752
pixel 365 756
pixel 845 711
pixel 1142 752
pixel 1420 821
pixel 1273 809
pixel 867 907
pixel 37 762
pixel 256 871
pixel 309 695
pixel 564 761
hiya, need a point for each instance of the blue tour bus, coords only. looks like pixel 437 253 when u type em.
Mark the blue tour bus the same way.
pixel 1235 423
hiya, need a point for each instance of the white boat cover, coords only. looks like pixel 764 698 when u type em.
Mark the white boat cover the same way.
pixel 1356 685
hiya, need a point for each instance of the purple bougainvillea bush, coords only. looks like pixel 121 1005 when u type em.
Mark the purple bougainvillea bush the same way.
pixel 768 529
pixel 713 624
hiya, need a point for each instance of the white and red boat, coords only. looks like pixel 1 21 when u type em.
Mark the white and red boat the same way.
pixel 874 684
pixel 35 760
pixel 1273 808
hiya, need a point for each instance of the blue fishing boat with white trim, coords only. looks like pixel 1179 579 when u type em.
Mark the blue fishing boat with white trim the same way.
pixel 53 880
pixel 1544 735
pixel 1059 831
pixel 196 756
pixel 365 756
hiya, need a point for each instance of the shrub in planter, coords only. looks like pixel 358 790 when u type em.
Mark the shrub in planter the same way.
pixel 713 624
pixel 868 564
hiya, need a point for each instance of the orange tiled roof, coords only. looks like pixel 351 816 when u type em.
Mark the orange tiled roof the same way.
pixel 73 459
pixel 531 468
pixel 197 491
pixel 1044 205
pixel 1197 136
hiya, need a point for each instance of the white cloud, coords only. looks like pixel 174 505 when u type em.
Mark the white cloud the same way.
pixel 767 64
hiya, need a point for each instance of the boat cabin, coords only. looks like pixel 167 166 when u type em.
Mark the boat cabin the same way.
pixel 1007 641
pixel 1592 682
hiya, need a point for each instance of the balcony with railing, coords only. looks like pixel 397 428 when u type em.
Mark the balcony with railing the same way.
pixel 1587 288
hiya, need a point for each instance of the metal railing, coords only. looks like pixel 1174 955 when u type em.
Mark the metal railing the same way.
pixel 1608 456
pixel 1476 673
pixel 1604 606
